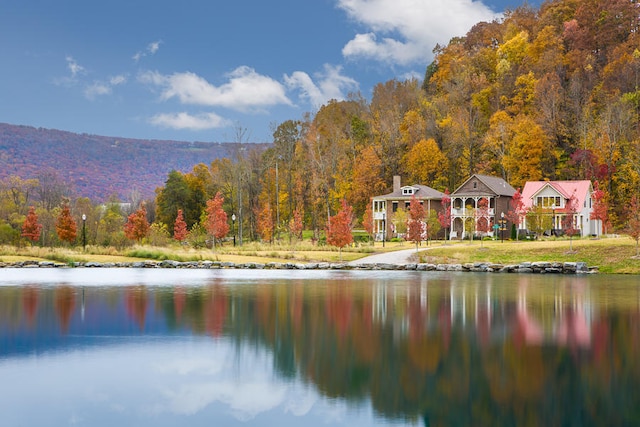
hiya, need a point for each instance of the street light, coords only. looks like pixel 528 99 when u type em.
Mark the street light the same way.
pixel 553 219
pixel 502 224
pixel 384 226
pixel 84 232
pixel 233 220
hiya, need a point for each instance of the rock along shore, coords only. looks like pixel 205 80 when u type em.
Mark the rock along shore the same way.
pixel 480 267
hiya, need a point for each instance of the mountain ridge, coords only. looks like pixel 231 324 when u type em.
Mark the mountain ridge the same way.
pixel 98 167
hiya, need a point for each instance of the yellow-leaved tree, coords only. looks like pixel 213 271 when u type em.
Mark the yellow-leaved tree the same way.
pixel 527 153
pixel 426 164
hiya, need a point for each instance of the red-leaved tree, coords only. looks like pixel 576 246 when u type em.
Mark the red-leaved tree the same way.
pixel 517 211
pixel 633 222
pixel 367 220
pixel 295 224
pixel 444 216
pixel 600 210
pixel 483 223
pixel 416 227
pixel 569 220
pixel 66 226
pixel 216 222
pixel 180 227
pixel 137 226
pixel 31 228
pixel 339 228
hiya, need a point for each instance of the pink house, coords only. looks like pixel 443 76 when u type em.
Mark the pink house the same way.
pixel 551 197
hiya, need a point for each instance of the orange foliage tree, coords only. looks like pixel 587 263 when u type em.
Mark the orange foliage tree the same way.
pixel 265 223
pixel 137 226
pixel 216 221
pixel 339 228
pixel 66 226
pixel 31 228
pixel 416 229
pixel 180 227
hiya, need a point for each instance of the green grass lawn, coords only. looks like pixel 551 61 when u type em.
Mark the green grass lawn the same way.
pixel 611 255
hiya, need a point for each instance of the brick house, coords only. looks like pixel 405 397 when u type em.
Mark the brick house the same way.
pixel 385 206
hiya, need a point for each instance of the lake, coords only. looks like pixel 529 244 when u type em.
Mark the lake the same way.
pixel 164 347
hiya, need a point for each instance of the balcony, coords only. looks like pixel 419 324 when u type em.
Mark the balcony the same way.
pixel 462 212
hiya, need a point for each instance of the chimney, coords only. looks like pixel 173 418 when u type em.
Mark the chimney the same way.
pixel 396 183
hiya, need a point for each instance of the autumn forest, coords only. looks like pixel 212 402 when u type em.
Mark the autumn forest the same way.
pixel 548 93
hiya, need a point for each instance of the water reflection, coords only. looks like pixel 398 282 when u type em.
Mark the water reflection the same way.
pixel 353 348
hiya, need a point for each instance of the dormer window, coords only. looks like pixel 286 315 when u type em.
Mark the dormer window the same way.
pixel 408 191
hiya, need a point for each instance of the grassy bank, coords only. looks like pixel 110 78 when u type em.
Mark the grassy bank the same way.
pixel 611 255
pixel 251 252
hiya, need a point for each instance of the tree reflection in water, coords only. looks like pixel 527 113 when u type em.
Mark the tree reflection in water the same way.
pixel 437 349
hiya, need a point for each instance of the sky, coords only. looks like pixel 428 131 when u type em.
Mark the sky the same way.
pixel 211 70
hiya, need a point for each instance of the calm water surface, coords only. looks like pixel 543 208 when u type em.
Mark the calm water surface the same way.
pixel 127 347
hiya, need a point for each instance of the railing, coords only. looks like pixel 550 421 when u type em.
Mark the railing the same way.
pixel 463 212
pixel 378 215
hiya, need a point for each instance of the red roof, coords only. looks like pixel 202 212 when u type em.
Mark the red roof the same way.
pixel 581 190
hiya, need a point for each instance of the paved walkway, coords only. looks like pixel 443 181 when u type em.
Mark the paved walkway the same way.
pixel 403 256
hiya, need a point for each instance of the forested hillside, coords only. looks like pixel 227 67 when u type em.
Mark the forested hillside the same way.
pixel 98 167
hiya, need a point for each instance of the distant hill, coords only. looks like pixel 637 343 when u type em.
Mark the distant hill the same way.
pixel 99 166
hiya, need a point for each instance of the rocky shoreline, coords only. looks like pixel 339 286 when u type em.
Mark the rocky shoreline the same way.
pixel 480 267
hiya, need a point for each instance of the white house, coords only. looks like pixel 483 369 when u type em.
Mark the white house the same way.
pixel 553 197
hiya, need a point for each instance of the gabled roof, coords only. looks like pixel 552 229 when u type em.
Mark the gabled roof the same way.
pixel 497 185
pixel 565 189
pixel 423 192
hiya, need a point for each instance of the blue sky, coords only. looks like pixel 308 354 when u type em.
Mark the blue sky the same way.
pixel 197 70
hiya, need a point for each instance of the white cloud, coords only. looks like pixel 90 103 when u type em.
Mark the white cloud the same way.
pixel 117 80
pixel 405 31
pixel 104 88
pixel 151 49
pixel 331 84
pixel 245 90
pixel 97 89
pixel 186 121
pixel 74 67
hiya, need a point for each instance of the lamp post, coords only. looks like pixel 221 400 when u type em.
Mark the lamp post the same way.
pixel 502 227
pixel 384 227
pixel 553 219
pixel 233 221
pixel 84 232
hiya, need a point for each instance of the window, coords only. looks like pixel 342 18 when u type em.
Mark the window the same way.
pixel 475 185
pixel 548 202
pixel 394 206
pixel 408 191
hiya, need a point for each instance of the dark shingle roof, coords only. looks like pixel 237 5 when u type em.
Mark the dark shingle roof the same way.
pixel 423 192
pixel 497 185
